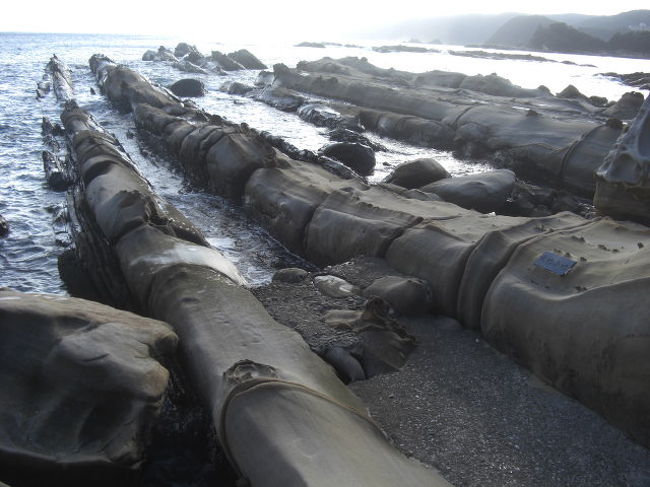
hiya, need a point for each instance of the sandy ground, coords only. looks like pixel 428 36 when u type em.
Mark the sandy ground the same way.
pixel 466 409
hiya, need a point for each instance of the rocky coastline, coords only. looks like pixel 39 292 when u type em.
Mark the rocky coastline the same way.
pixel 416 261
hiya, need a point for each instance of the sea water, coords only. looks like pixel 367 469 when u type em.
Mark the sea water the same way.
pixel 28 255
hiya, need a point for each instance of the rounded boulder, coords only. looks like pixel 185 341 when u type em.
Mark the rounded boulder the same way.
pixel 417 173
pixel 358 157
pixel 188 88
pixel 406 295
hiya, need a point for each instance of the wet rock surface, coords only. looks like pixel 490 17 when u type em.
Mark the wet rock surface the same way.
pixel 82 387
pixel 638 79
pixel 358 157
pixel 247 59
pixel 188 88
pixel 417 173
pixel 535 134
pixel 460 253
pixel 188 58
pixel 270 397
pixel 4 227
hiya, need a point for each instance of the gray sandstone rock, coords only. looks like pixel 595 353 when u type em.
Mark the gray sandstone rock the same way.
pixel 601 359
pixel 183 49
pixel 627 107
pixel 468 259
pixel 165 54
pixel 150 55
pixel 406 295
pixel 417 173
pixel 271 398
pixel 188 67
pixel 495 85
pixel 188 88
pixel 236 88
pixel 383 345
pixel 335 287
pixel 359 157
pixel 226 63
pixel 247 59
pixel 82 384
pixel 484 192
pixel 623 184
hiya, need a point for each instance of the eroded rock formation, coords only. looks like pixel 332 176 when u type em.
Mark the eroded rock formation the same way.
pixel 623 184
pixel 61 79
pixel 189 59
pixel 467 258
pixel 82 384
pixel 557 140
pixel 270 396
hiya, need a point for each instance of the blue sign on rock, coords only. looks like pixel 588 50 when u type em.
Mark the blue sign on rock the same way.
pixel 557 264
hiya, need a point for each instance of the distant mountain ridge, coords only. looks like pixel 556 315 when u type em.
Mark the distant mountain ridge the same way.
pixel 621 34
pixel 518 31
pixel 479 29
pixel 457 29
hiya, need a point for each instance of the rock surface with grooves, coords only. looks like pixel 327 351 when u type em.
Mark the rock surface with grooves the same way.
pixel 82 384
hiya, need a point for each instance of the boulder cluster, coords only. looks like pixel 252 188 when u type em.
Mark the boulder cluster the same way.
pixel 187 58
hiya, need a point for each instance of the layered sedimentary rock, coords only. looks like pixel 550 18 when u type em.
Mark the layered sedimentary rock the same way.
pixel 82 384
pixel 281 414
pixel 60 78
pixel 247 59
pixel 188 58
pixel 623 182
pixel 585 330
pixel 484 192
pixel 357 156
pixel 540 136
pixel 464 256
pixel 417 173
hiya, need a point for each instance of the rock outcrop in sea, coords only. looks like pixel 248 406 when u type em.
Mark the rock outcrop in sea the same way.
pixel 269 395
pixel 189 59
pixel 566 272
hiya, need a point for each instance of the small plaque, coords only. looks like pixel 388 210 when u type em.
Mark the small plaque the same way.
pixel 557 264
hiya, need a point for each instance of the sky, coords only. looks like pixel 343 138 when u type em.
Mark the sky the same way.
pixel 270 19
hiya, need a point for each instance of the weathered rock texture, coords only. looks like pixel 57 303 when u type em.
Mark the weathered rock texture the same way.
pixel 4 227
pixel 187 58
pixel 272 399
pixel 623 181
pixel 82 384
pixel 464 256
pixel 417 173
pixel 61 79
pixel 562 141
pixel 188 87
pixel 484 192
